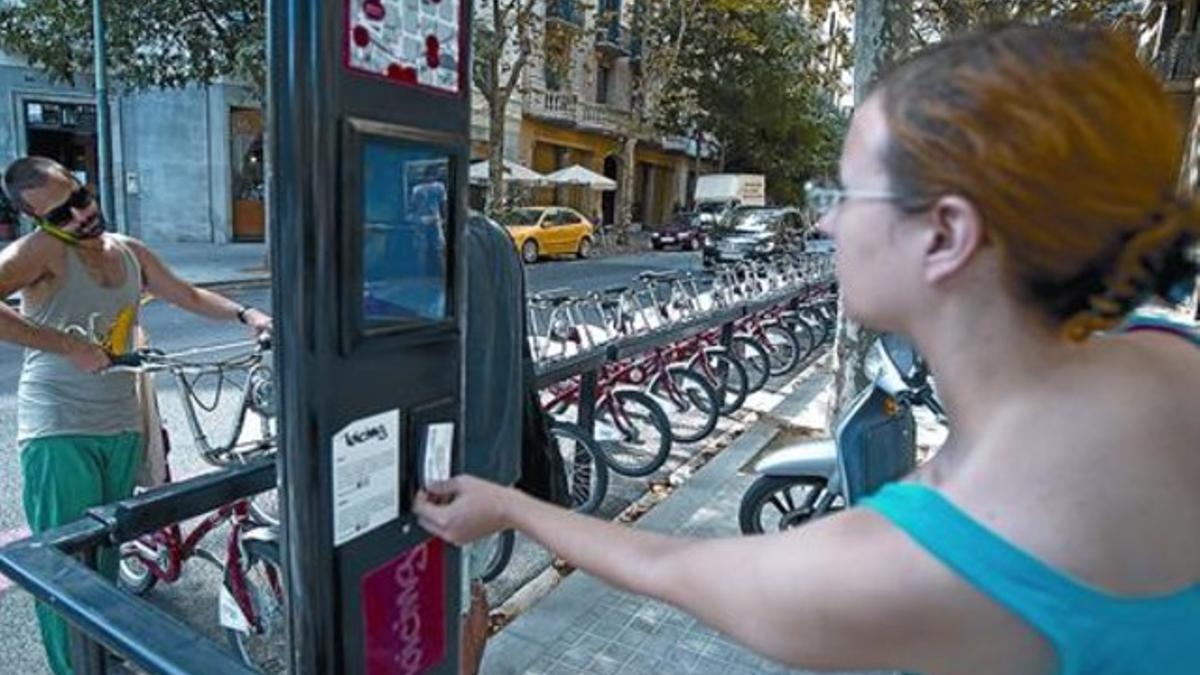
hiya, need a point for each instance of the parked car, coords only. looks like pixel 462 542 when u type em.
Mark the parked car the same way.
pixel 747 232
pixel 711 213
pixel 818 242
pixel 684 230
pixel 549 230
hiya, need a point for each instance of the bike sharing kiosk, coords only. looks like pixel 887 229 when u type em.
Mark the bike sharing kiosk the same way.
pixel 371 114
pixel 370 111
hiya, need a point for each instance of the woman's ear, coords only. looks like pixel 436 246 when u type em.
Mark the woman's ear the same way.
pixel 955 234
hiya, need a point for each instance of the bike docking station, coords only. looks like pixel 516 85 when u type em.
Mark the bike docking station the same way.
pixel 369 115
pixel 372 114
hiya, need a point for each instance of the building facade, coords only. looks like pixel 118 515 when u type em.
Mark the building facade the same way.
pixel 187 164
pixel 574 107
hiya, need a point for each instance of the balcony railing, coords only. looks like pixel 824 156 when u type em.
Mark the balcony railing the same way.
pixel 553 105
pixel 565 12
pixel 603 117
pixel 613 38
pixel 566 107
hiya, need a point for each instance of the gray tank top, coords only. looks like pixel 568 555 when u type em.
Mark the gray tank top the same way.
pixel 54 398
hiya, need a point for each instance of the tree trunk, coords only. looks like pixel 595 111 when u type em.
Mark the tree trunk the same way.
pixel 497 117
pixel 882 30
pixel 627 166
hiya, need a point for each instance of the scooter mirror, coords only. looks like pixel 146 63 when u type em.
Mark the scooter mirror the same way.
pixel 884 370
pixel 901 353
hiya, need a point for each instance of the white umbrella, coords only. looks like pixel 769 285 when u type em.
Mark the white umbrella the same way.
pixel 578 175
pixel 513 172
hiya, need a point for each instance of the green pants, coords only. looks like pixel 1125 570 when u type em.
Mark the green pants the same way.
pixel 64 477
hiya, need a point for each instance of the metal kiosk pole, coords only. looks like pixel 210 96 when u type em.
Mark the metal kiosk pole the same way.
pixel 371 107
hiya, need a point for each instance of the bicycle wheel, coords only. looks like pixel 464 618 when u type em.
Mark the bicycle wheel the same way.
pixel 808 335
pixel 823 328
pixel 632 433
pixel 805 334
pixel 264 508
pixel 783 349
pixel 260 639
pixel 726 375
pixel 689 401
pixel 753 356
pixel 585 465
pixel 491 555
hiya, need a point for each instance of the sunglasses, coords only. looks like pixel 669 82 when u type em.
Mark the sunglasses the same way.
pixel 63 213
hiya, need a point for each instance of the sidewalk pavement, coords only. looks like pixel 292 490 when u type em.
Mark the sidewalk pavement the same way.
pixel 216 264
pixel 586 627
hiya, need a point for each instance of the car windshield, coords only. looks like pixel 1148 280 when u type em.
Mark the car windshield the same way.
pixel 749 221
pixel 711 207
pixel 520 217
pixel 683 220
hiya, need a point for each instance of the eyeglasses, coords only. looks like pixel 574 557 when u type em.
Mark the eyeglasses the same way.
pixel 63 213
pixel 823 197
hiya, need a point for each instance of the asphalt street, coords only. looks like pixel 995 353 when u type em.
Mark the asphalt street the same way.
pixel 193 598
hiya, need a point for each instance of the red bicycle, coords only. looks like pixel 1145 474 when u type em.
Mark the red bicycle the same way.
pixel 251 596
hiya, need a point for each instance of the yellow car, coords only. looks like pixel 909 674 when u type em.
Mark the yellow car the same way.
pixel 549 230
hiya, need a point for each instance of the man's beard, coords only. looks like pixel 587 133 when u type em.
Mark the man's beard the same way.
pixel 94 228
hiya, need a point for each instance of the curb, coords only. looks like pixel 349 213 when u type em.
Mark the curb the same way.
pixel 235 284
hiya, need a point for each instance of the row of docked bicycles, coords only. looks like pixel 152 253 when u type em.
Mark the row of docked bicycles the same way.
pixel 673 392
pixel 703 360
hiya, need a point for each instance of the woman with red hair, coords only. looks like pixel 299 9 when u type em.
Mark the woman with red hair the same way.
pixel 1007 199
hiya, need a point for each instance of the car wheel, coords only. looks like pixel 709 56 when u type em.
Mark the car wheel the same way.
pixel 529 251
pixel 585 248
pixel 693 245
pixel 657 247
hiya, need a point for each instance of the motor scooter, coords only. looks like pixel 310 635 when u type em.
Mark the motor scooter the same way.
pixel 873 442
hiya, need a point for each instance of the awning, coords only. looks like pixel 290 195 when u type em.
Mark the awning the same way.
pixel 578 175
pixel 513 173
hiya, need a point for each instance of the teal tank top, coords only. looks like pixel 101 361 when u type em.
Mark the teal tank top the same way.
pixel 1091 631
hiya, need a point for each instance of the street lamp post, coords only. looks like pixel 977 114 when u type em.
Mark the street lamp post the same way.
pixel 103 127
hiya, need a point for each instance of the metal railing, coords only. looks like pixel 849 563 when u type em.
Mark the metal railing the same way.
pixel 612 37
pixel 58 567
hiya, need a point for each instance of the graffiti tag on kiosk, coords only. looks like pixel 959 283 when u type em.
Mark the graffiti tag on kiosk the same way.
pixel 410 658
pixel 375 433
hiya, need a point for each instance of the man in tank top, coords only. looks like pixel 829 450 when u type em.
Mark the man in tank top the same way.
pixel 78 428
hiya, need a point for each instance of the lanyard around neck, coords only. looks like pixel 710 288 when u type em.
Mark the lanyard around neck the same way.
pixel 58 233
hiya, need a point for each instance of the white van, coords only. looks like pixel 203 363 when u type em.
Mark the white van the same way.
pixel 717 193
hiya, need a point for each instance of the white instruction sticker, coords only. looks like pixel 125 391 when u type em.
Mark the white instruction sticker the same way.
pixel 439 449
pixel 229 615
pixel 366 475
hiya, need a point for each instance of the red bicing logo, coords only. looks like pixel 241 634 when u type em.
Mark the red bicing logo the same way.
pixel 405 613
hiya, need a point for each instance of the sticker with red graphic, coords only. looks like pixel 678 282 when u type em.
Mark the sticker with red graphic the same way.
pixel 412 42
pixel 404 612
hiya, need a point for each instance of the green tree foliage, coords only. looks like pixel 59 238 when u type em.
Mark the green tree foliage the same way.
pixel 753 75
pixel 504 35
pixel 159 44
pixel 934 19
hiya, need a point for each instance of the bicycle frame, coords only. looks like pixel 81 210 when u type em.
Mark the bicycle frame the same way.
pixel 179 548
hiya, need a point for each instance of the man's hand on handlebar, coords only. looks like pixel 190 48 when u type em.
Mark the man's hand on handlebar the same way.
pixel 259 321
pixel 88 357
